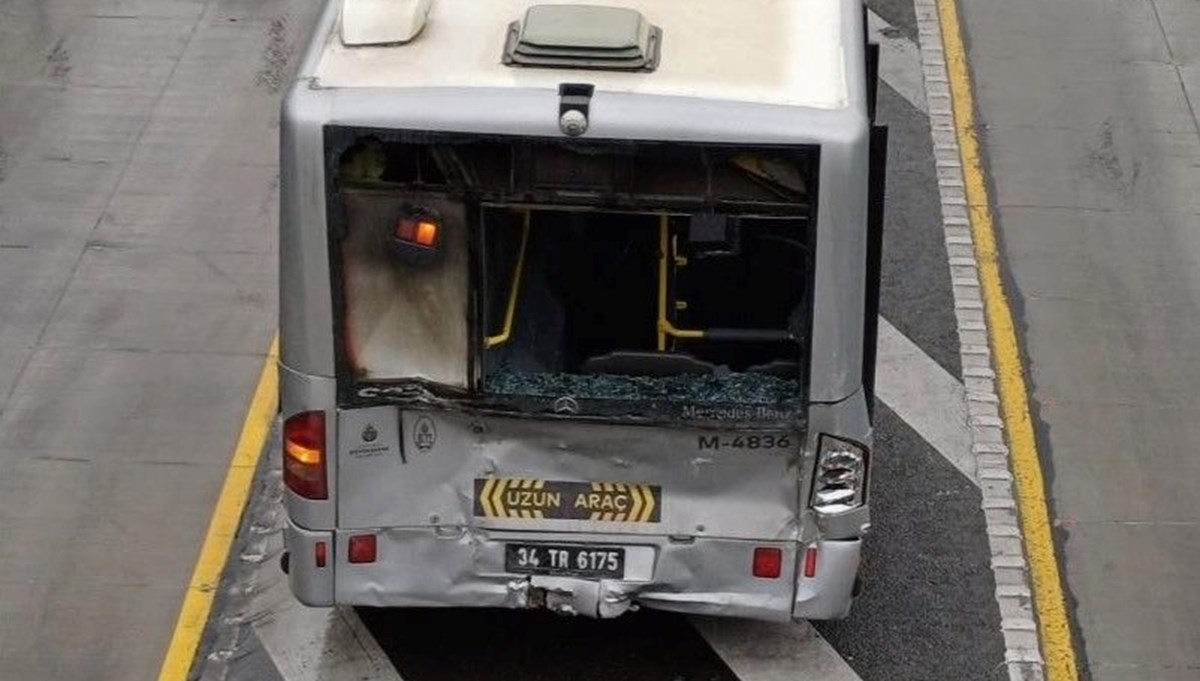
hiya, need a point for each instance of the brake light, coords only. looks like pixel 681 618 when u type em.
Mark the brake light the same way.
pixel 768 562
pixel 304 454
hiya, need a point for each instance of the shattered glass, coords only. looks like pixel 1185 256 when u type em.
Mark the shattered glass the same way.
pixel 729 388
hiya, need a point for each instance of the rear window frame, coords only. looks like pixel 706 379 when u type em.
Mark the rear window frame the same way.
pixel 353 392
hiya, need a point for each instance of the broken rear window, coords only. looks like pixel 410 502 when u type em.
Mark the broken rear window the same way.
pixel 629 278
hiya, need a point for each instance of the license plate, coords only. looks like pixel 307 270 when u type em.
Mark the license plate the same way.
pixel 567 561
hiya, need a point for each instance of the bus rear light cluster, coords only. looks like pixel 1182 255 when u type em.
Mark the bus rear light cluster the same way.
pixel 841 480
pixel 304 455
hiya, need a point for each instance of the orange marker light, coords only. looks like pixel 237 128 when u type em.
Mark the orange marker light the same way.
pixel 422 232
pixel 426 233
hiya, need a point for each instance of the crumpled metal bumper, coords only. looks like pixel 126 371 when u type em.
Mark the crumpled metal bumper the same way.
pixel 440 567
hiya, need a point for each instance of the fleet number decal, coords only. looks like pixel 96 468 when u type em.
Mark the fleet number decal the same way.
pixel 744 442
pixel 616 502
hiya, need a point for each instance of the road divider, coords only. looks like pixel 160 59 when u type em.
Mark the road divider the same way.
pixel 1053 625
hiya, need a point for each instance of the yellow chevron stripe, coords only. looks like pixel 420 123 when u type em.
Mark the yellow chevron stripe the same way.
pixel 608 486
pixel 595 515
pixel 485 498
pixel 649 510
pixel 607 517
pixel 539 484
pixel 595 487
pixel 498 498
pixel 620 518
pixel 635 511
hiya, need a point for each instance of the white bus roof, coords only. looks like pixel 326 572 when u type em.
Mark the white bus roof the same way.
pixel 786 52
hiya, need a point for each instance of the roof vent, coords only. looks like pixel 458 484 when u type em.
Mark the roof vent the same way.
pixel 382 22
pixel 583 37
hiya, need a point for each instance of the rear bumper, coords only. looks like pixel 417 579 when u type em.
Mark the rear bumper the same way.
pixel 434 567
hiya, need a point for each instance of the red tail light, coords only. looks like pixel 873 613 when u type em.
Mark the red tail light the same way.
pixel 304 454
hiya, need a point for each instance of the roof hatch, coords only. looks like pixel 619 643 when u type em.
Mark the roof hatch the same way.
pixel 583 37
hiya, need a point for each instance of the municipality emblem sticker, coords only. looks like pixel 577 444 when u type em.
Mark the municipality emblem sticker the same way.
pixel 424 434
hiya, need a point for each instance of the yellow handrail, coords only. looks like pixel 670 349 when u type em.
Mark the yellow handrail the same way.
pixel 510 311
pixel 665 328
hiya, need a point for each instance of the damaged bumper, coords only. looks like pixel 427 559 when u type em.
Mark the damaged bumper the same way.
pixel 456 567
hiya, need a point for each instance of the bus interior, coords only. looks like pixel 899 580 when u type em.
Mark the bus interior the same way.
pixel 627 271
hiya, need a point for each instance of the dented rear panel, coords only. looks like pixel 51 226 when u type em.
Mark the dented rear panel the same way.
pixel 411 468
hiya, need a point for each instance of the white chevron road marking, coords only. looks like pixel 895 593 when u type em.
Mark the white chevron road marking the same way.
pixel 899 61
pixel 925 396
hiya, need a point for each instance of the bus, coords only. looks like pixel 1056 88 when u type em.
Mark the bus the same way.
pixel 578 305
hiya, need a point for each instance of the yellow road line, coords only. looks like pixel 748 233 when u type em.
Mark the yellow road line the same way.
pixel 198 600
pixel 1053 626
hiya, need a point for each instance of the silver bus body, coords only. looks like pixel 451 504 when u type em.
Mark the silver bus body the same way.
pixel 433 496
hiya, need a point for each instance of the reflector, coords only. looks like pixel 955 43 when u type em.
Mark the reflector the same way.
pixel 810 562
pixel 768 562
pixel 362 548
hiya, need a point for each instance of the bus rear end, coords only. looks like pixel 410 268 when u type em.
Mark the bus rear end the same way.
pixel 571 375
